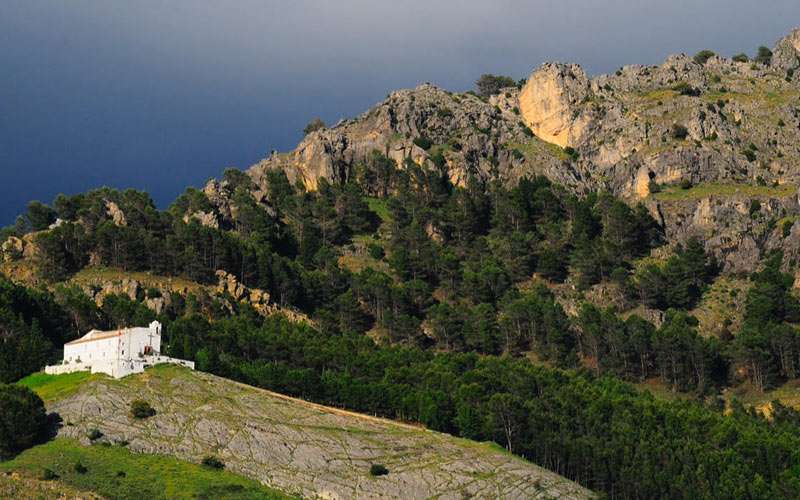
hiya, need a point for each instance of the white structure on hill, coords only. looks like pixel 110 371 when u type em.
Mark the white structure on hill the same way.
pixel 116 353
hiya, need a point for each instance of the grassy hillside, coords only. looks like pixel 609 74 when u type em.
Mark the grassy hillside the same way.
pixel 292 445
pixel 52 387
pixel 115 472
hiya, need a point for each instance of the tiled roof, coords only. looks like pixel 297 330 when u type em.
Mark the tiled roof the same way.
pixel 96 335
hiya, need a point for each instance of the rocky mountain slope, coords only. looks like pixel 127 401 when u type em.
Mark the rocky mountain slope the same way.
pixel 708 122
pixel 295 446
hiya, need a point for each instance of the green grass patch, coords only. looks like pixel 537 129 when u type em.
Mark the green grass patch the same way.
pixel 672 193
pixel 536 147
pixel 662 391
pixel 764 95
pixel 788 394
pixel 53 387
pixel 380 207
pixel 115 472
pixel 658 95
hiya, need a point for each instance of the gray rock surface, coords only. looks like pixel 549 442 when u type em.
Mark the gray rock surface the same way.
pixel 721 122
pixel 299 447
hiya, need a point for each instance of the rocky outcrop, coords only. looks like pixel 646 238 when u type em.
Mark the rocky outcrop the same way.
pixel 298 447
pixel 208 219
pixel 551 103
pixel 786 55
pixel 230 286
pixel 116 213
pixel 12 249
pixel 159 293
pixel 680 122
pixel 475 138
pixel 677 121
pixel 739 227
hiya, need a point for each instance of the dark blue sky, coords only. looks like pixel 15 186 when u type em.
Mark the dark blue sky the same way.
pixel 160 95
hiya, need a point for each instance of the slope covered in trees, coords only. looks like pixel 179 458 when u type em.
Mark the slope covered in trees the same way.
pixel 447 293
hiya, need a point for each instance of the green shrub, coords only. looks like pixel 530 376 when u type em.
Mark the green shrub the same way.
pixel 94 434
pixel 741 57
pixel 755 207
pixel 23 419
pixel 378 470
pixel 570 151
pixel 749 154
pixel 80 468
pixel 438 159
pixel 685 184
pixel 444 113
pixel 488 84
pixel 684 88
pixel 141 409
pixel 213 462
pixel 423 142
pixel 48 475
pixel 786 228
pixel 764 55
pixel 314 125
pixel 703 56
pixel 376 251
pixel 679 132
pixel 654 187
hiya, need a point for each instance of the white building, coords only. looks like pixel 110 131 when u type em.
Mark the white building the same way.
pixel 117 353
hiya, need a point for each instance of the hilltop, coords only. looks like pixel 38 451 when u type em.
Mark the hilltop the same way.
pixel 297 447
pixel 705 121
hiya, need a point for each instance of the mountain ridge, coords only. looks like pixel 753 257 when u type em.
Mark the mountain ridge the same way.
pixel 686 122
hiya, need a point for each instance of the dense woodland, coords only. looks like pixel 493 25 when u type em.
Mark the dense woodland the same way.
pixel 467 341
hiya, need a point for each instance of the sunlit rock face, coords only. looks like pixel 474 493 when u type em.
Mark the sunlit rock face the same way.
pixel 551 100
pixel 786 55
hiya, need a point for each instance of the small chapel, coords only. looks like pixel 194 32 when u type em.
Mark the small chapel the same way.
pixel 116 353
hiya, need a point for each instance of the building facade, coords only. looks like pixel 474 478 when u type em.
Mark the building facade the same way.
pixel 116 353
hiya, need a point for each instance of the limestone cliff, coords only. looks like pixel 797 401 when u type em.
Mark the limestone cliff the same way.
pixel 714 123
pixel 551 103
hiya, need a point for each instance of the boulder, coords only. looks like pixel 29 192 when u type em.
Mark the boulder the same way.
pixel 551 100
pixel 12 249
pixel 786 54
pixel 116 213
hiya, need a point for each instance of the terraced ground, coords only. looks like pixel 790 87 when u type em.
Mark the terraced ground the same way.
pixel 294 446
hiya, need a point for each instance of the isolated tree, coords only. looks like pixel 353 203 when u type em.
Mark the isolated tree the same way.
pixel 741 57
pixel 764 55
pixel 314 125
pixel 506 417
pixel 488 84
pixel 141 409
pixel 703 56
pixel 23 420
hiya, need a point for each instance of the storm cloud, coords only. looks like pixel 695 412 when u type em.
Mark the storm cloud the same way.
pixel 158 95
